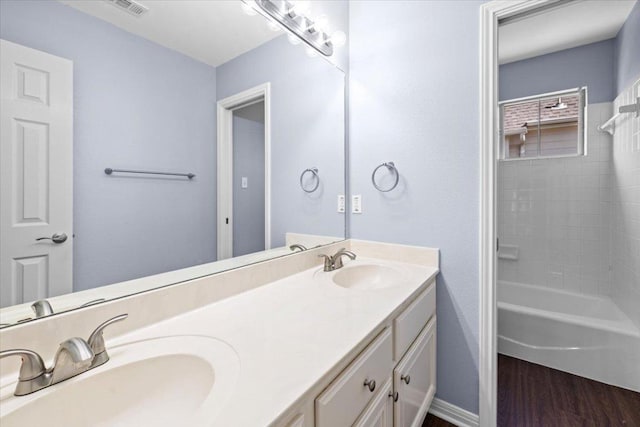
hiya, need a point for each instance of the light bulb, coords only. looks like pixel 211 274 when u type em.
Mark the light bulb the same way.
pixel 293 39
pixel 320 23
pixel 338 38
pixel 273 26
pixel 311 52
pixel 248 9
pixel 300 7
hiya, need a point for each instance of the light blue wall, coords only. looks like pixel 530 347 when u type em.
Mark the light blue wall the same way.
pixel 136 105
pixel 248 161
pixel 627 48
pixel 591 65
pixel 307 130
pixel 414 101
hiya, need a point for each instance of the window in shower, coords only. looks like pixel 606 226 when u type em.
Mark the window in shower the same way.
pixel 547 125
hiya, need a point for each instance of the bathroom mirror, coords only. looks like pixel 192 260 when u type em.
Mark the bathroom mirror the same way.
pixel 148 143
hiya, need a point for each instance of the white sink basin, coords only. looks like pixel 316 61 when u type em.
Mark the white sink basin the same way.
pixel 182 380
pixel 366 276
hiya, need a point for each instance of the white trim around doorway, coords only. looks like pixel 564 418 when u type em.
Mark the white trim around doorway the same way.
pixel 490 14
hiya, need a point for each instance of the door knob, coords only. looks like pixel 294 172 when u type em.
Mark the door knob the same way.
pixel 56 238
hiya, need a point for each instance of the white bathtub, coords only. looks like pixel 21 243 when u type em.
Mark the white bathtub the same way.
pixel 584 335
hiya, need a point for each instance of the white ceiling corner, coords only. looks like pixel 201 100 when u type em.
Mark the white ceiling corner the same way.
pixel 570 25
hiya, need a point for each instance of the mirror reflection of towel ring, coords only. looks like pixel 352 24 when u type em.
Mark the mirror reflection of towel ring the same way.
pixel 314 171
pixel 392 168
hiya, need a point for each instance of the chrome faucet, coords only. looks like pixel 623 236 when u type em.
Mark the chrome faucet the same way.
pixel 328 262
pixel 298 246
pixel 334 262
pixel 74 356
pixel 337 258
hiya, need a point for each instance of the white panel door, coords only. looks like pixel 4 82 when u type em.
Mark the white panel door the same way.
pixel 414 379
pixel 36 174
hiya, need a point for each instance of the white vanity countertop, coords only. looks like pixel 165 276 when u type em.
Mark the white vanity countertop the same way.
pixel 288 334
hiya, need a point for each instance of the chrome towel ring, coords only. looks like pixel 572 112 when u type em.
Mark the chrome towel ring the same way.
pixel 314 171
pixel 392 168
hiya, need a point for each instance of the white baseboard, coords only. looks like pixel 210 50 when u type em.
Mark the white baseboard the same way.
pixel 453 414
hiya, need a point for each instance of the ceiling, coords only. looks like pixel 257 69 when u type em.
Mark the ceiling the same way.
pixel 568 25
pixel 212 32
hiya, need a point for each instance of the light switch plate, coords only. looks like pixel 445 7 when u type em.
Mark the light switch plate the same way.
pixel 341 203
pixel 245 182
pixel 356 204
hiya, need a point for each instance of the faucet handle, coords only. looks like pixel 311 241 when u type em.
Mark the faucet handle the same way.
pixel 96 341
pixel 32 364
pixel 32 376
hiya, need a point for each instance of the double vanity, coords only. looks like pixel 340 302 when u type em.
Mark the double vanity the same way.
pixel 285 342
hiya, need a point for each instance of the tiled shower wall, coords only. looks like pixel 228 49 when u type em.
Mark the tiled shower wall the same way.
pixel 558 212
pixel 626 208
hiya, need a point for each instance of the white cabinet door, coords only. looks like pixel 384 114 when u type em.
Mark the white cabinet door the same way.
pixel 414 379
pixel 379 413
pixel 302 416
pixel 36 174
pixel 297 421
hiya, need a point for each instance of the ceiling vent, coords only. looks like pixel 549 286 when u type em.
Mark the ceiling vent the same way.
pixel 129 6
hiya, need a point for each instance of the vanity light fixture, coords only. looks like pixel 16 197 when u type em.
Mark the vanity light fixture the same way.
pixel 291 16
pixel 248 9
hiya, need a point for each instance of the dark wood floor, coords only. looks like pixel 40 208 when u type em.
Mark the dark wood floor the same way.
pixel 534 395
pixel 433 421
pixel 531 395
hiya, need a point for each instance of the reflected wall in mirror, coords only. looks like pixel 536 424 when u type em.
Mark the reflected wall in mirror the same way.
pixel 140 151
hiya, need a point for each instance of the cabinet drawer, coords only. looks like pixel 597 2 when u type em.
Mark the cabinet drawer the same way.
pixel 410 322
pixel 344 400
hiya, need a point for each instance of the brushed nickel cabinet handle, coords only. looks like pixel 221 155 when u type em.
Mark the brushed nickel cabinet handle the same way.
pixel 371 384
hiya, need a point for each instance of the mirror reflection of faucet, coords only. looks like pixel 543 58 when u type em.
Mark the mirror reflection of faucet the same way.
pixel 95 301
pixel 42 308
pixel 295 246
pixel 74 356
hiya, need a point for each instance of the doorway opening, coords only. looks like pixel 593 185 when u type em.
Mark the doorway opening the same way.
pixel 248 179
pixel 244 171
pixel 548 288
